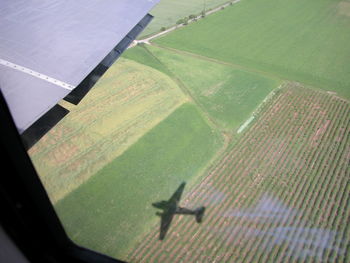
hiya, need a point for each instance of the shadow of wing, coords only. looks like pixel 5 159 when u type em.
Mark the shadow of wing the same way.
pixel 177 195
pixel 165 222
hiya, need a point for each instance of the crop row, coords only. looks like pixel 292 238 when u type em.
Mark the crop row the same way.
pixel 228 159
pixel 297 154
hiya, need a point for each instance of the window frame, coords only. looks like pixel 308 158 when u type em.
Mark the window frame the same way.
pixel 28 216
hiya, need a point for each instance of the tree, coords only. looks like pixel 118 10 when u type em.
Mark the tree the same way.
pixel 180 21
pixel 185 21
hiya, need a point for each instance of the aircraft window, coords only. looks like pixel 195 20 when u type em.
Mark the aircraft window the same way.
pixel 220 135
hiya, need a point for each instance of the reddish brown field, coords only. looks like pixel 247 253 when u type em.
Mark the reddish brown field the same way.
pixel 280 194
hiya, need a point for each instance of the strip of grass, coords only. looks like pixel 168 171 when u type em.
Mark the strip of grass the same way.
pixel 108 212
pixel 297 40
pixel 228 94
pixel 141 55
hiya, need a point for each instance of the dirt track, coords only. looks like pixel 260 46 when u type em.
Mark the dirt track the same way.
pixel 148 39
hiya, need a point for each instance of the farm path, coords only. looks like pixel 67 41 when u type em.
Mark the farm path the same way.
pixel 148 39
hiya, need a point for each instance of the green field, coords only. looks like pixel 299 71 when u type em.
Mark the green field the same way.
pixel 167 12
pixel 295 40
pixel 126 103
pixel 108 212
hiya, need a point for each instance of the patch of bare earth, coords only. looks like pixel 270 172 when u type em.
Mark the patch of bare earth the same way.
pixel 320 131
pixel 213 89
pixel 344 8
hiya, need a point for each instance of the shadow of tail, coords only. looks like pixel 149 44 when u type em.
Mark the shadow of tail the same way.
pixel 200 214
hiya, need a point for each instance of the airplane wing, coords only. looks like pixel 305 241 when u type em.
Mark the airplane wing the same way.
pixel 177 195
pixel 50 50
pixel 165 222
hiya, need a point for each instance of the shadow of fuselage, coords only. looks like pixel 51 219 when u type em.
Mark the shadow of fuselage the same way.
pixel 171 208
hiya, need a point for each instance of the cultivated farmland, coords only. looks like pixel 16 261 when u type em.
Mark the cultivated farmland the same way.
pixel 281 194
pixel 128 101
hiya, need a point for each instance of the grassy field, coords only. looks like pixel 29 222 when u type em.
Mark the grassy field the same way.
pixel 109 211
pixel 296 40
pixel 168 12
pixel 228 94
pixel 281 194
pixel 128 101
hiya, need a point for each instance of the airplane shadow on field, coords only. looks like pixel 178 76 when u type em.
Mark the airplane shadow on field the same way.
pixel 171 208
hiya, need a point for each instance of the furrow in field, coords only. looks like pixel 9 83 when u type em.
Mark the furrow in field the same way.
pixel 262 140
pixel 296 166
pixel 225 160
